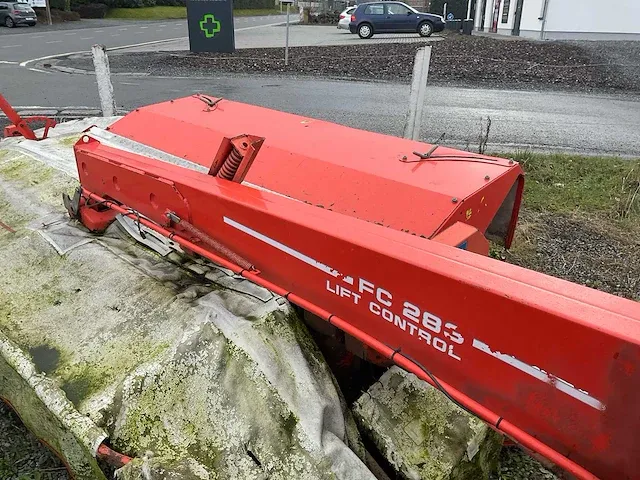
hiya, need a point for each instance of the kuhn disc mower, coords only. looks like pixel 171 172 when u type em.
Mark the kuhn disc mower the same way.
pixel 381 239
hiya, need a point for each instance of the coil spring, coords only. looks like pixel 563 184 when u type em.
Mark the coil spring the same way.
pixel 230 165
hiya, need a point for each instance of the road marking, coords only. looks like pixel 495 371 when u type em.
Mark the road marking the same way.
pixel 55 41
pixel 144 27
pixel 115 35
pixel 122 29
pixel 6 62
pixel 68 34
pixel 37 70
pixel 97 31
pixel 153 42
pixel 259 26
pixel 86 38
pixel 541 375
pixel 11 46
pixel 37 36
pixel 129 83
pixel 162 25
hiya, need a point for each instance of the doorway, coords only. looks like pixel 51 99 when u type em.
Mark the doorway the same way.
pixel 483 13
pixel 517 17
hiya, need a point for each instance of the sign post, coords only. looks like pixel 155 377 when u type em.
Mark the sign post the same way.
pixel 288 3
pixel 210 25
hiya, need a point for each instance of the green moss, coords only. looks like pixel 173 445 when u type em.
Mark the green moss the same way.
pixel 69 141
pixel 27 171
pixel 115 360
pixel 14 219
pixel 30 173
pixel 422 433
pixel 25 295
pixel 38 418
pixel 292 330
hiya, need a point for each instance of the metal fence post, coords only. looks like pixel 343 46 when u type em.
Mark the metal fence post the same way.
pixel 103 78
pixel 417 94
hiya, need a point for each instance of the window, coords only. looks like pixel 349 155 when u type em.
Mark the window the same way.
pixel 4 7
pixel 505 11
pixel 397 9
pixel 374 9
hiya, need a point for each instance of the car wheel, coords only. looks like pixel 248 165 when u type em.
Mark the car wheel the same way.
pixel 365 31
pixel 9 22
pixel 425 29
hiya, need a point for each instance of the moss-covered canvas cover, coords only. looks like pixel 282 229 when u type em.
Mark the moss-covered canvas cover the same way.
pixel 193 372
pixel 424 435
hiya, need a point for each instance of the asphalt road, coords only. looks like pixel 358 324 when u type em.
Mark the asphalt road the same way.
pixel 554 121
pixel 24 44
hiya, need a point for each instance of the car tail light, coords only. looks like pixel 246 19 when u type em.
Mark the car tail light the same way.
pixel 353 18
pixel 341 16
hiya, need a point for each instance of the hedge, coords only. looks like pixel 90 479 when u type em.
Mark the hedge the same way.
pixel 76 4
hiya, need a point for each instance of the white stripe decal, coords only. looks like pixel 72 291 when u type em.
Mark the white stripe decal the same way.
pixel 541 375
pixel 282 247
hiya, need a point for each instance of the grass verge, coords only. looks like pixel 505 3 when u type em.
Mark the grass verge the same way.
pixel 580 221
pixel 174 12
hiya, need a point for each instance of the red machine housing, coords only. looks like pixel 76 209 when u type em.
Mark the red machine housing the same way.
pixel 365 238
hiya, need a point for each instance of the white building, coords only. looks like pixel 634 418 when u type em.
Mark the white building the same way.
pixel 560 19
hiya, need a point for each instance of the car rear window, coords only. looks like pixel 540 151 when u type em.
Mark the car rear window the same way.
pixel 21 6
pixel 374 10
pixel 350 10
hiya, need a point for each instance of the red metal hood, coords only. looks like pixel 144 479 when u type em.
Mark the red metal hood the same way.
pixel 353 172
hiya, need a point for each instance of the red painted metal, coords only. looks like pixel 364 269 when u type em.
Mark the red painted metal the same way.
pixel 552 364
pixel 306 159
pixel 20 125
pixel 111 457
pixel 235 156
pixel 396 355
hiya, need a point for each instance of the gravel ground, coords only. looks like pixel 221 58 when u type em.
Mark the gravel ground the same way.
pixel 459 59
pixel 22 457
pixel 588 251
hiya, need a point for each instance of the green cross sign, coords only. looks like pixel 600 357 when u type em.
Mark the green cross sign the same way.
pixel 209 25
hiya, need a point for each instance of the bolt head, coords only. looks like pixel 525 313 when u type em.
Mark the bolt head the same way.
pixel 487 177
pixel 454 200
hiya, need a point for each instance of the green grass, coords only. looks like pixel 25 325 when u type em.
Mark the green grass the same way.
pixel 608 186
pixel 167 12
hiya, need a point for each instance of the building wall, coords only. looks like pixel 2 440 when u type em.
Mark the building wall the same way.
pixel 571 19
pixel 488 13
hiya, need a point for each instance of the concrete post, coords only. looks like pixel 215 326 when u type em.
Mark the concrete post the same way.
pixel 48 9
pixel 286 42
pixel 417 93
pixel 103 78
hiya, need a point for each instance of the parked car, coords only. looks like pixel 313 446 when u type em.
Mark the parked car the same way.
pixel 393 17
pixel 15 13
pixel 345 18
